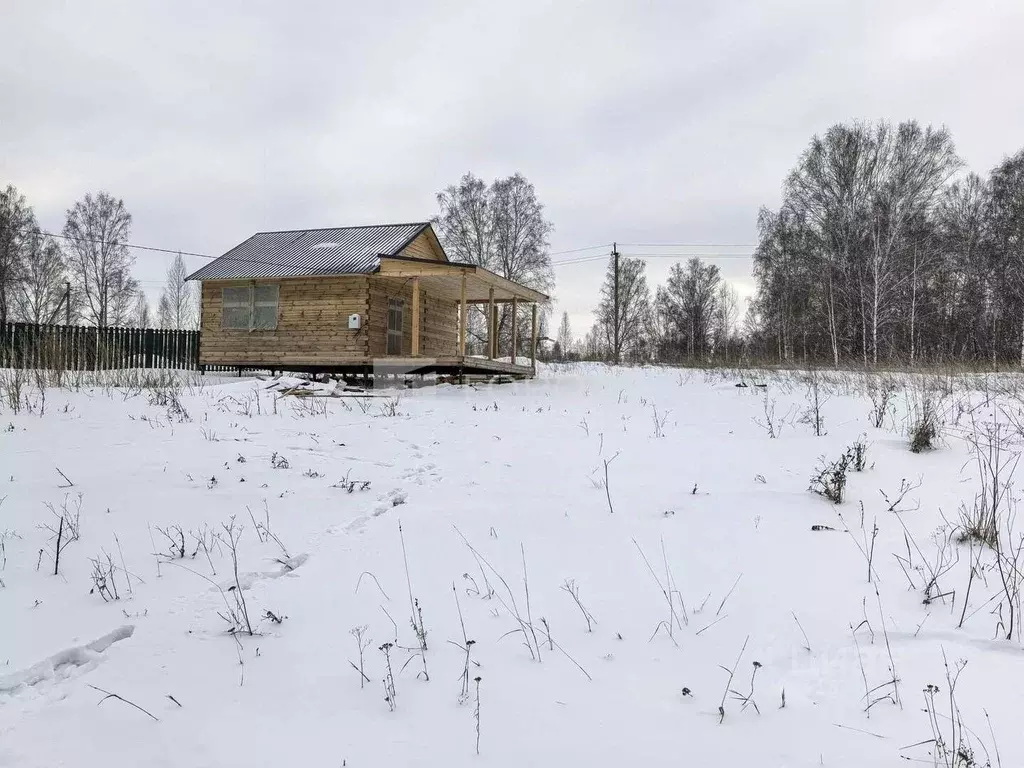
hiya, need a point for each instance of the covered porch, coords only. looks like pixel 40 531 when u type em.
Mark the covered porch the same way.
pixel 464 285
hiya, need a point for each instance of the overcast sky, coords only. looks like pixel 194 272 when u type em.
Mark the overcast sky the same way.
pixel 638 122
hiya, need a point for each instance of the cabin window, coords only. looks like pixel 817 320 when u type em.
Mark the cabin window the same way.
pixel 236 308
pixel 264 307
pixel 395 311
pixel 250 307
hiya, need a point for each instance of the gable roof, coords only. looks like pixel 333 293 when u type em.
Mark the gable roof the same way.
pixel 310 252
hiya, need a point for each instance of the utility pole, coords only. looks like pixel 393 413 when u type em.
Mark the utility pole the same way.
pixel 615 325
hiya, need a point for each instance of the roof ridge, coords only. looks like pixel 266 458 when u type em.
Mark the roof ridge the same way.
pixel 325 229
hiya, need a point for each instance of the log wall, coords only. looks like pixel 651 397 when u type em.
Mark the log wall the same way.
pixel 438 319
pixel 425 246
pixel 312 324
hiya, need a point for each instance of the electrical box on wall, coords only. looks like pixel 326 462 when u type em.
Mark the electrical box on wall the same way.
pixel 354 322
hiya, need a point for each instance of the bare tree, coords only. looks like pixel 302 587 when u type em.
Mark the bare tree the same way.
pixel 727 315
pixel 520 234
pixel 564 339
pixel 628 318
pixel 831 189
pixel 177 306
pixel 913 164
pixel 788 278
pixel 17 223
pixel 96 231
pixel 465 221
pixel 875 255
pixel 688 307
pixel 592 345
pixel 42 286
pixel 141 316
pixel 964 273
pixel 502 228
pixel 464 226
pixel 1007 220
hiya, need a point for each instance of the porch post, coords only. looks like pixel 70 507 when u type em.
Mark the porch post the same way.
pixel 415 316
pixel 492 343
pixel 515 316
pixel 462 318
pixel 533 342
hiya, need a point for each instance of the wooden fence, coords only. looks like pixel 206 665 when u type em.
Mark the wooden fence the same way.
pixel 77 347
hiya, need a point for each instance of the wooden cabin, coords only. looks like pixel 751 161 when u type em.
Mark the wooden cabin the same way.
pixel 378 299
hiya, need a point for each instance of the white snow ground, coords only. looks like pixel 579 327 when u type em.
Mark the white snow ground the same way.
pixel 517 471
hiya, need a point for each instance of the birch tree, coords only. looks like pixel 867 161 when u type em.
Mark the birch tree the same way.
pixel 177 308
pixel 623 315
pixel 17 225
pixel 141 316
pixel 501 227
pixel 687 306
pixel 727 315
pixel 831 188
pixel 855 257
pixel 1007 221
pixel 96 231
pixel 42 284
pixel 564 339
pixel 913 165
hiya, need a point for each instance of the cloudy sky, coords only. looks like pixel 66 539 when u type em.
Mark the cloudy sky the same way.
pixel 638 122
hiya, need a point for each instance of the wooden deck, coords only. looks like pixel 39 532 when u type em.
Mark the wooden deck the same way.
pixel 455 365
pixel 458 363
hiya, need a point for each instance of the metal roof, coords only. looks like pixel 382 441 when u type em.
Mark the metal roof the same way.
pixel 298 253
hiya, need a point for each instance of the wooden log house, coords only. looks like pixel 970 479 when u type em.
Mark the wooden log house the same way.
pixel 355 300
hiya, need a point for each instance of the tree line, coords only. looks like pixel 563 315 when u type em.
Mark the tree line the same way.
pixel 692 318
pixel 886 250
pixel 85 272
pixel 84 275
pixel 502 226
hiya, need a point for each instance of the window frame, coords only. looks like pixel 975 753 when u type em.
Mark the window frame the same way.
pixel 235 303
pixel 396 308
pixel 250 305
pixel 258 303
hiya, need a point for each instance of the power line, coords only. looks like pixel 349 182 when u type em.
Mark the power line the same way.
pixel 690 255
pixel 126 245
pixel 244 259
pixel 690 245
pixel 603 257
pixel 578 250
pixel 556 262
pixel 250 260
pixel 584 260
pixel 577 260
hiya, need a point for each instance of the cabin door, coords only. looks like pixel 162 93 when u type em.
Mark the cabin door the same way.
pixel 396 312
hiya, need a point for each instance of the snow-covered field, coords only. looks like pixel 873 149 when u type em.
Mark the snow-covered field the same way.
pixel 715 627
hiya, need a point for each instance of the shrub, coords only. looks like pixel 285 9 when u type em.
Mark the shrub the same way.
pixel 858 453
pixel 924 424
pixel 881 393
pixel 829 479
pixel 979 524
